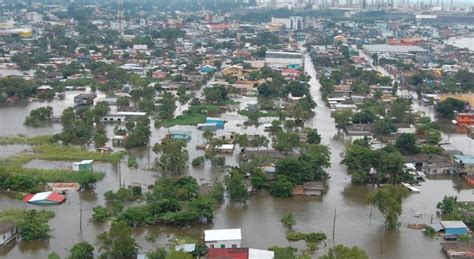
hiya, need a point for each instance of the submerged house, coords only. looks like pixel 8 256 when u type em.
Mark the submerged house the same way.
pixel 84 99
pixel 8 232
pixel 44 198
pixel 219 122
pixel 83 166
pixel 223 238
pixel 179 135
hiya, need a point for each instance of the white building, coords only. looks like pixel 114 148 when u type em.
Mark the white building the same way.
pixel 223 238
pixel 282 59
pixel 8 231
pixel 292 23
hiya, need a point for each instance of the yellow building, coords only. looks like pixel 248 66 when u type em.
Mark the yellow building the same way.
pixel 467 97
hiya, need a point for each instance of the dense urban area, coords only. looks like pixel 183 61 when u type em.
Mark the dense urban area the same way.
pixel 232 129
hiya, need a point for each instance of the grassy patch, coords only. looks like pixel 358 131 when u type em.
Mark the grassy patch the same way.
pixel 25 140
pixel 194 115
pixel 59 152
pixel 15 177
pixel 13 215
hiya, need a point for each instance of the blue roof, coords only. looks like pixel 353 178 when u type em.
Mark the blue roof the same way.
pixel 466 159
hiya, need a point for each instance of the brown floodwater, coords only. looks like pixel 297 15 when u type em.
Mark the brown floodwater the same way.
pixel 356 222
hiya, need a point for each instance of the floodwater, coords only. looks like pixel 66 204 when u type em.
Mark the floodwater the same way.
pixel 356 222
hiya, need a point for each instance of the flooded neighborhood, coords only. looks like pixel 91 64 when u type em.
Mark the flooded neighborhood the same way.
pixel 236 129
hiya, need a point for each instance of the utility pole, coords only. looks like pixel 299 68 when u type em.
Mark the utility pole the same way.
pixel 80 219
pixel 334 227
pixel 120 174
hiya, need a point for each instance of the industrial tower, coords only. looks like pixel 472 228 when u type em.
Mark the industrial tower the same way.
pixel 120 16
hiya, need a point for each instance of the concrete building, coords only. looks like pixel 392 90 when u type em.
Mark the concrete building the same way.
pixel 291 23
pixel 223 238
pixel 8 232
pixel 283 59
pixel 392 49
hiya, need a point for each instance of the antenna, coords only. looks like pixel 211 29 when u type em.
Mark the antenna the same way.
pixel 120 16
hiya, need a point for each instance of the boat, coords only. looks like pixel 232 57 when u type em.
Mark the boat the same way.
pixel 411 188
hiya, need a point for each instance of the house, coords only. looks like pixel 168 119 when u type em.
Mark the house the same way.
pixel 43 89
pixel 179 135
pixel 290 73
pixel 44 198
pixel 207 126
pixel 118 140
pixel 458 250
pixel 358 129
pixel 84 99
pixel 465 163
pixel 234 71
pixel 8 232
pixel 223 238
pixel 225 148
pixel 159 74
pixel 208 69
pixel 219 122
pixel 424 161
pixel 239 253
pixel 63 187
pixel 309 189
pixel 454 227
pixel 83 166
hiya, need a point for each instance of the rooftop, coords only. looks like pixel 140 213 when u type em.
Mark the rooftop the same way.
pixel 453 224
pixel 377 48
pixel 222 234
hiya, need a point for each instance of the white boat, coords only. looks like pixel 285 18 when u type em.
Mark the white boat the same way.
pixel 411 188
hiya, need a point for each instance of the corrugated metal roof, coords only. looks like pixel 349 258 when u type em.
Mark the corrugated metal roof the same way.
pixel 453 224
pixel 222 234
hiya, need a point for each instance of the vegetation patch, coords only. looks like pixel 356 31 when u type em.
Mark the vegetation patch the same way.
pixel 25 140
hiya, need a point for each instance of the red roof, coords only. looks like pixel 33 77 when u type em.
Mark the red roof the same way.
pixel 228 253
pixel 290 71
pixel 56 197
pixel 28 197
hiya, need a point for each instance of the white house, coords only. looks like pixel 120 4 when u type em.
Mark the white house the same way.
pixel 8 231
pixel 223 238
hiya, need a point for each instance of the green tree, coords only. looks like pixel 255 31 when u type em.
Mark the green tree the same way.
pixel 236 187
pixel 342 118
pixel 216 94
pixel 53 255
pixel 288 219
pixel 447 205
pixel 284 252
pixel 82 250
pixel 39 116
pixel 343 252
pixel 447 107
pixel 282 187
pixel 117 242
pixel 312 136
pixel 384 126
pixel 285 141
pixel 388 200
pixel 174 155
pixel 34 226
pixel 406 143
pixel 158 253
pixel 100 214
pixel 167 106
pixel 100 138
